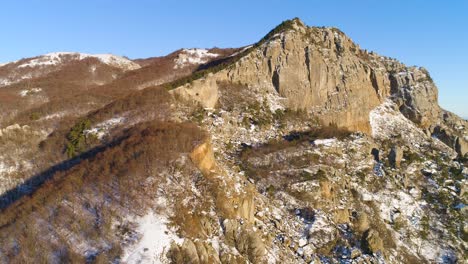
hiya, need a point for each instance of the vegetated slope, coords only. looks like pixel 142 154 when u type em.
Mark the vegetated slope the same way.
pixel 277 178
pixel 80 208
pixel 87 83
pixel 48 106
pixel 94 129
pixel 29 68
pixel 71 79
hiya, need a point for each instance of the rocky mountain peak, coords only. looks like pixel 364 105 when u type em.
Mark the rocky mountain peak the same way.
pixel 323 72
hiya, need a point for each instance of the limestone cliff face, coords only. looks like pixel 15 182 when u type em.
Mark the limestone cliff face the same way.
pixel 315 69
pixel 322 71
pixel 318 70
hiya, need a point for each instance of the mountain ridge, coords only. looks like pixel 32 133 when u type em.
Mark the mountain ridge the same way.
pixel 252 155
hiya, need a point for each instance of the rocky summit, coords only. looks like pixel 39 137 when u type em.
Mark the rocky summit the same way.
pixel 300 148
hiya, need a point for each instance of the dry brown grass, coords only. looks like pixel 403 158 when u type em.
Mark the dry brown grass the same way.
pixel 86 199
pixel 294 139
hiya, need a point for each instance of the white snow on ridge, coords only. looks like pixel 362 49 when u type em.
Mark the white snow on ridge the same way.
pixel 57 58
pixel 242 50
pixel 275 101
pixel 193 56
pixel 116 61
pixel 154 242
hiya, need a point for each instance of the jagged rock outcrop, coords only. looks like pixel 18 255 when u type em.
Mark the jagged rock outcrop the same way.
pixel 319 70
pixel 453 131
pixel 192 252
pixel 372 241
pixel 395 156
pixel 245 239
pixel 202 156
pixel 241 205
pixel 417 96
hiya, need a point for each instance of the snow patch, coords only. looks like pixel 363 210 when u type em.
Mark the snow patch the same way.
pixel 101 129
pixel 155 240
pixel 193 56
pixel 325 142
pixel 24 93
pixel 392 204
pixel 6 169
pixel 55 115
pixel 320 232
pixel 275 102
pixel 242 50
pixel 11 80
pixel 386 122
pixel 5 82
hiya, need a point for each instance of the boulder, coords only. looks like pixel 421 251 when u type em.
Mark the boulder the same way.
pixel 193 252
pixel 461 146
pixel 371 241
pixel 355 253
pixel 203 157
pixel 395 156
pixel 361 222
pixel 341 216
pixel 244 239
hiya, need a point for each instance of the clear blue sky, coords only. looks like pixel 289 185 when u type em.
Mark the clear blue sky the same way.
pixel 429 33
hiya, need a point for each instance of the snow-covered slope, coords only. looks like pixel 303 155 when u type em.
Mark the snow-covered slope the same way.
pixel 59 57
pixel 388 123
pixel 154 241
pixel 16 71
